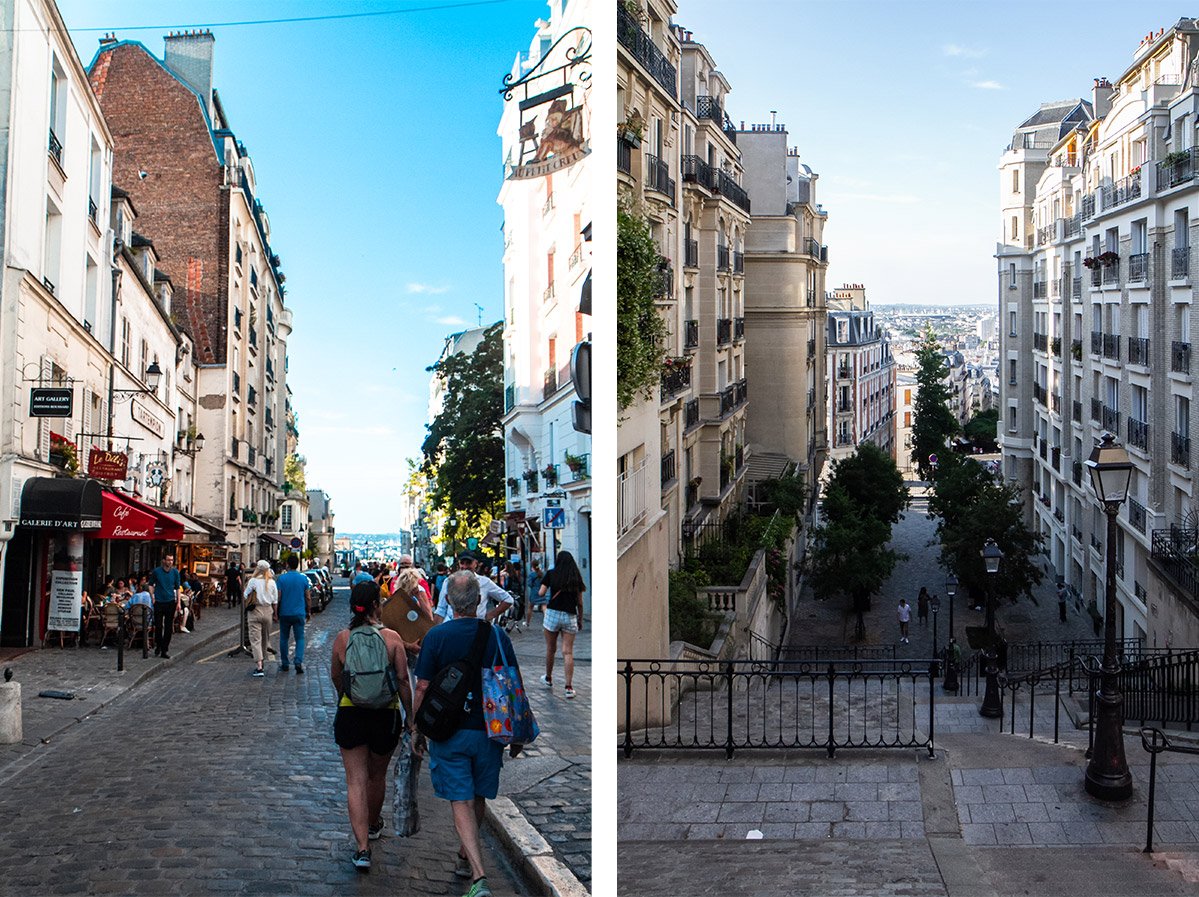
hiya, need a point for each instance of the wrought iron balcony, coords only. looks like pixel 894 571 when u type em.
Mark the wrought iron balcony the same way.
pixel 691 414
pixel 697 171
pixel 1076 288
pixel 724 331
pixel 738 262
pixel 93 211
pixel 691 254
pixel 55 147
pixel 1096 410
pixel 1111 419
pixel 738 329
pixel 732 191
pixel 1040 342
pixel 1096 276
pixel 1138 433
pixel 1096 342
pixel 1078 411
pixel 624 157
pixel 709 108
pixel 1038 289
pixel 1180 449
pixel 633 38
pixel 1138 350
pixel 668 473
pixel 657 176
pixel 1173 552
pixel 1122 191
pixel 1111 346
pixel 1138 267
pixel 675 380
pixel 691 334
pixel 1076 349
pixel 1073 226
pixel 1179 170
pixel 549 383
pixel 1180 261
pixel 1136 514
pixel 1180 357
pixel 666 285
pixel 1111 274
pixel 722 258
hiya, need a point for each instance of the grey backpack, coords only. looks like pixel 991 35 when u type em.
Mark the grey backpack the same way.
pixel 368 678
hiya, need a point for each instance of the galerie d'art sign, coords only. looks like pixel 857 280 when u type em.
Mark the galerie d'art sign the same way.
pixel 107 465
pixel 553 126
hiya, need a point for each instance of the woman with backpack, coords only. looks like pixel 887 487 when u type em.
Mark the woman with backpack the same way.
pixel 564 614
pixel 262 607
pixel 370 673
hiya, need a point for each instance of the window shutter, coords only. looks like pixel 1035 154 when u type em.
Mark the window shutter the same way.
pixel 43 427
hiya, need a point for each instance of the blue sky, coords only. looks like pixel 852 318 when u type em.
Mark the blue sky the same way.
pixel 375 149
pixel 903 108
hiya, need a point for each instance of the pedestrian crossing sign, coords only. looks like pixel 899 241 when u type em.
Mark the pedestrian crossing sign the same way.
pixel 553 518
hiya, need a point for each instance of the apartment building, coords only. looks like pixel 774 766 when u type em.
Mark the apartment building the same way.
pixel 320 524
pixel 1095 294
pixel 862 386
pixel 193 184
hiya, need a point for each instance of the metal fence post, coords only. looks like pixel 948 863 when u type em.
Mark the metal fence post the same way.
pixel 1057 700
pixel 1071 685
pixel 932 717
pixel 1090 714
pixel 728 749
pixel 1032 703
pixel 832 673
pixel 628 708
pixel 1153 752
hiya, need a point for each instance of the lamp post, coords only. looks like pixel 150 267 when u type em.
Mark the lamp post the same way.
pixel 935 604
pixel 950 683
pixel 1107 776
pixel 951 589
pixel 992 705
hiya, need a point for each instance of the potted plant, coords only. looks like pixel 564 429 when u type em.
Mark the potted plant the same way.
pixel 513 484
pixel 1108 259
pixel 63 454
pixel 1089 262
pixel 530 478
pixel 632 128
pixel 1176 158
pixel 551 475
pixel 1076 351
pixel 577 464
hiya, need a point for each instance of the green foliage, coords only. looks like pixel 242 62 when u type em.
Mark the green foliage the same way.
pixel 690 619
pixel 971 507
pixel 640 329
pixel 464 451
pixel 786 494
pixel 982 429
pixel 872 482
pixel 294 474
pixel 934 422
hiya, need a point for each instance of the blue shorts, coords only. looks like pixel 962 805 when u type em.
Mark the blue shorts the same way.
pixel 466 766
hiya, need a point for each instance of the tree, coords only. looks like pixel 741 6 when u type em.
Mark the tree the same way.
pixel 865 495
pixel 640 329
pixel 934 422
pixel 293 473
pixel 464 451
pixel 982 429
pixel 972 506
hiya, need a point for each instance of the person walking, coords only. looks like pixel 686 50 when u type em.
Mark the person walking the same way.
pixel 922 606
pixel 563 614
pixel 263 609
pixel 233 584
pixel 367 736
pixel 360 575
pixel 904 613
pixel 167 599
pixel 465 768
pixel 293 612
pixel 489 591
pixel 1061 601
pixel 535 599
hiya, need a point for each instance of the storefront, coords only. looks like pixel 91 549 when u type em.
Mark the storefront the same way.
pixel 203 553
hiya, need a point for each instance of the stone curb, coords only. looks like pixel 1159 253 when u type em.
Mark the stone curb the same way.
pixel 530 851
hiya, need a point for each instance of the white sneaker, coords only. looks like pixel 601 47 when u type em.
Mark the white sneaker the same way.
pixel 570 692
pixel 548 683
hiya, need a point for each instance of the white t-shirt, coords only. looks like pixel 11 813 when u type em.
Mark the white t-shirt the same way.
pixel 265 589
pixel 487 589
pixel 905 613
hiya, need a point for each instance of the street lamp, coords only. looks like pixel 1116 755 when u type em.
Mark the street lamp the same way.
pixel 992 705
pixel 951 589
pixel 1108 777
pixel 950 683
pixel 935 604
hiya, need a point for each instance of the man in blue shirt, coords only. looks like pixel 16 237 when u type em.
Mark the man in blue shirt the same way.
pixel 360 575
pixel 167 600
pixel 293 611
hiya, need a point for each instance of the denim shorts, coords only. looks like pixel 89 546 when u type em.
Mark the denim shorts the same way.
pixel 466 766
pixel 560 621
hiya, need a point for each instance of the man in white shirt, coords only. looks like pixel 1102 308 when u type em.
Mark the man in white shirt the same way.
pixel 487 589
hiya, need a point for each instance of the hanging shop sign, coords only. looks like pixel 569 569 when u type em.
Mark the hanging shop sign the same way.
pixel 51 401
pixel 104 465
pixel 142 415
pixel 554 130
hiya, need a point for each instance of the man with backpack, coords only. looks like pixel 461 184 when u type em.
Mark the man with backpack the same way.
pixel 464 762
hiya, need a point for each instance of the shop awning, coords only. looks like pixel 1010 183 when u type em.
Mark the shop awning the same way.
pixel 276 537
pixel 61 503
pixel 122 520
pixel 197 530
pixel 166 527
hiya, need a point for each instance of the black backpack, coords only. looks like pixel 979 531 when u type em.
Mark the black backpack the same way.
pixel 444 705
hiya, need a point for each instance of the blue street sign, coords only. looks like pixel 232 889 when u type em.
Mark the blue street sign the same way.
pixel 553 518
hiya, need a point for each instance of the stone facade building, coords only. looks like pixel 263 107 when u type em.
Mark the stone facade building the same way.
pixel 862 382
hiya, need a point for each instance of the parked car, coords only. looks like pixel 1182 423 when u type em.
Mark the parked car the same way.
pixel 317 596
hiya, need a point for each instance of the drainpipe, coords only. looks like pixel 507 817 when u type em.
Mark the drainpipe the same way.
pixel 117 247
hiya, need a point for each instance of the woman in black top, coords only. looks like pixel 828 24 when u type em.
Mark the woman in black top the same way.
pixel 564 614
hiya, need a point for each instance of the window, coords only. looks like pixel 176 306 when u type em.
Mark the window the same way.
pixel 1015 180
pixel 145 361
pixel 58 108
pixel 285 515
pixel 1182 416
pixel 1015 230
pixel 1140 242
pixel 1011 276
pixel 52 262
pixel 1182 237
pixel 1011 372
pixel 1140 404
pixel 1011 418
pixel 842 330
pixel 91 293
pixel 1011 317
pixel 126 341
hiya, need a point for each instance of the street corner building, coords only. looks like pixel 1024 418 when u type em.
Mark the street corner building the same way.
pixel 732 211
pixel 142 325
pixel 545 131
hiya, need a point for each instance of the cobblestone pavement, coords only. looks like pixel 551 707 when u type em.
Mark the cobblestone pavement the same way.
pixel 206 780
pixel 551 781
pixel 915 535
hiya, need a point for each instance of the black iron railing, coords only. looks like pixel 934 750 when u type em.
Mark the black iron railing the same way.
pixel 624 157
pixel 697 171
pixel 634 39
pixel 675 380
pixel 724 331
pixel 1039 393
pixel 1176 552
pixel 738 262
pixel 1111 274
pixel 1096 410
pixel 738 328
pixel 1040 341
pixel 657 176
pixel 1122 191
pixel 1138 433
pixel 1180 169
pixel 709 107
pixel 668 473
pixel 1096 342
pixel 1111 419
pixel 736 705
pixel 761 649
pixel 691 334
pixel 1111 346
pixel 1138 266
pixel 1136 514
pixel 691 254
pixel 1096 276
pixel 722 258
pixel 55 147
pixel 1138 350
pixel 732 191
pixel 1155 741
pixel 1088 207
pixel 1180 449
pixel 1180 261
pixel 691 414
pixel 1180 357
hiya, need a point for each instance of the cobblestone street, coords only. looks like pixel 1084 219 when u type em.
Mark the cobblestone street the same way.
pixel 205 780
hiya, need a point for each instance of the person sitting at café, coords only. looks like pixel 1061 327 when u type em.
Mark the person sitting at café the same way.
pixel 185 621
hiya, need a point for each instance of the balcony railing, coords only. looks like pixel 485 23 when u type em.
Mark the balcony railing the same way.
pixel 732 191
pixel 1096 342
pixel 1038 393
pixel 1180 170
pixel 691 414
pixel 733 396
pixel 1136 514
pixel 633 38
pixel 1138 433
pixel 1096 277
pixel 738 262
pixel 1076 349
pixel 709 108
pixel 55 147
pixel 691 254
pixel 738 329
pixel 1111 419
pixel 722 258
pixel 668 473
pixel 1138 350
pixel 1088 207
pixel 1038 289
pixel 1076 288
pixel 1180 357
pixel 1078 411
pixel 675 380
pixel 1096 410
pixel 1180 261
pixel 724 331
pixel 1122 191
pixel 1040 342
pixel 1173 550
pixel 1180 449
pixel 1111 346
pixel 697 171
pixel 624 157
pixel 1138 266
pixel 549 383
pixel 1073 226
pixel 691 334
pixel 1111 274
pixel 657 176
pixel 666 281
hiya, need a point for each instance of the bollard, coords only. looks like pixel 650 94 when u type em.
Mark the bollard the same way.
pixel 120 639
pixel 10 713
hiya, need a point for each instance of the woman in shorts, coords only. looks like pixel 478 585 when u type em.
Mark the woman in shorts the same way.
pixel 563 614
pixel 368 736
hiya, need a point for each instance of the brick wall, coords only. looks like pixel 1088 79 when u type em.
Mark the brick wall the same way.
pixel 159 128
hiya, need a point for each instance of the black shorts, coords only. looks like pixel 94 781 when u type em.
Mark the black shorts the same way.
pixel 378 729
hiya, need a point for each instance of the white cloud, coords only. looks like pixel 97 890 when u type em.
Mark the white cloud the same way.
pixel 427 289
pixel 987 85
pixel 959 50
pixel 452 321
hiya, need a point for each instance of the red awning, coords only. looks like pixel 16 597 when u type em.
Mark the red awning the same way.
pixel 164 527
pixel 121 520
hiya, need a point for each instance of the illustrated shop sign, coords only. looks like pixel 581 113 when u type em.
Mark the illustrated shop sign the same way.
pixel 142 415
pixel 51 402
pixel 107 465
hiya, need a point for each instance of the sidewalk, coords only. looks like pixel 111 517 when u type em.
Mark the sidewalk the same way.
pixel 544 811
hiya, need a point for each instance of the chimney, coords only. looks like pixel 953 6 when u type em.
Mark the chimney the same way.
pixel 108 39
pixel 1101 97
pixel 189 55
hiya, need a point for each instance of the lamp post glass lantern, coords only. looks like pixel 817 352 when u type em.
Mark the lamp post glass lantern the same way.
pixel 951 589
pixel 992 705
pixel 1107 775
